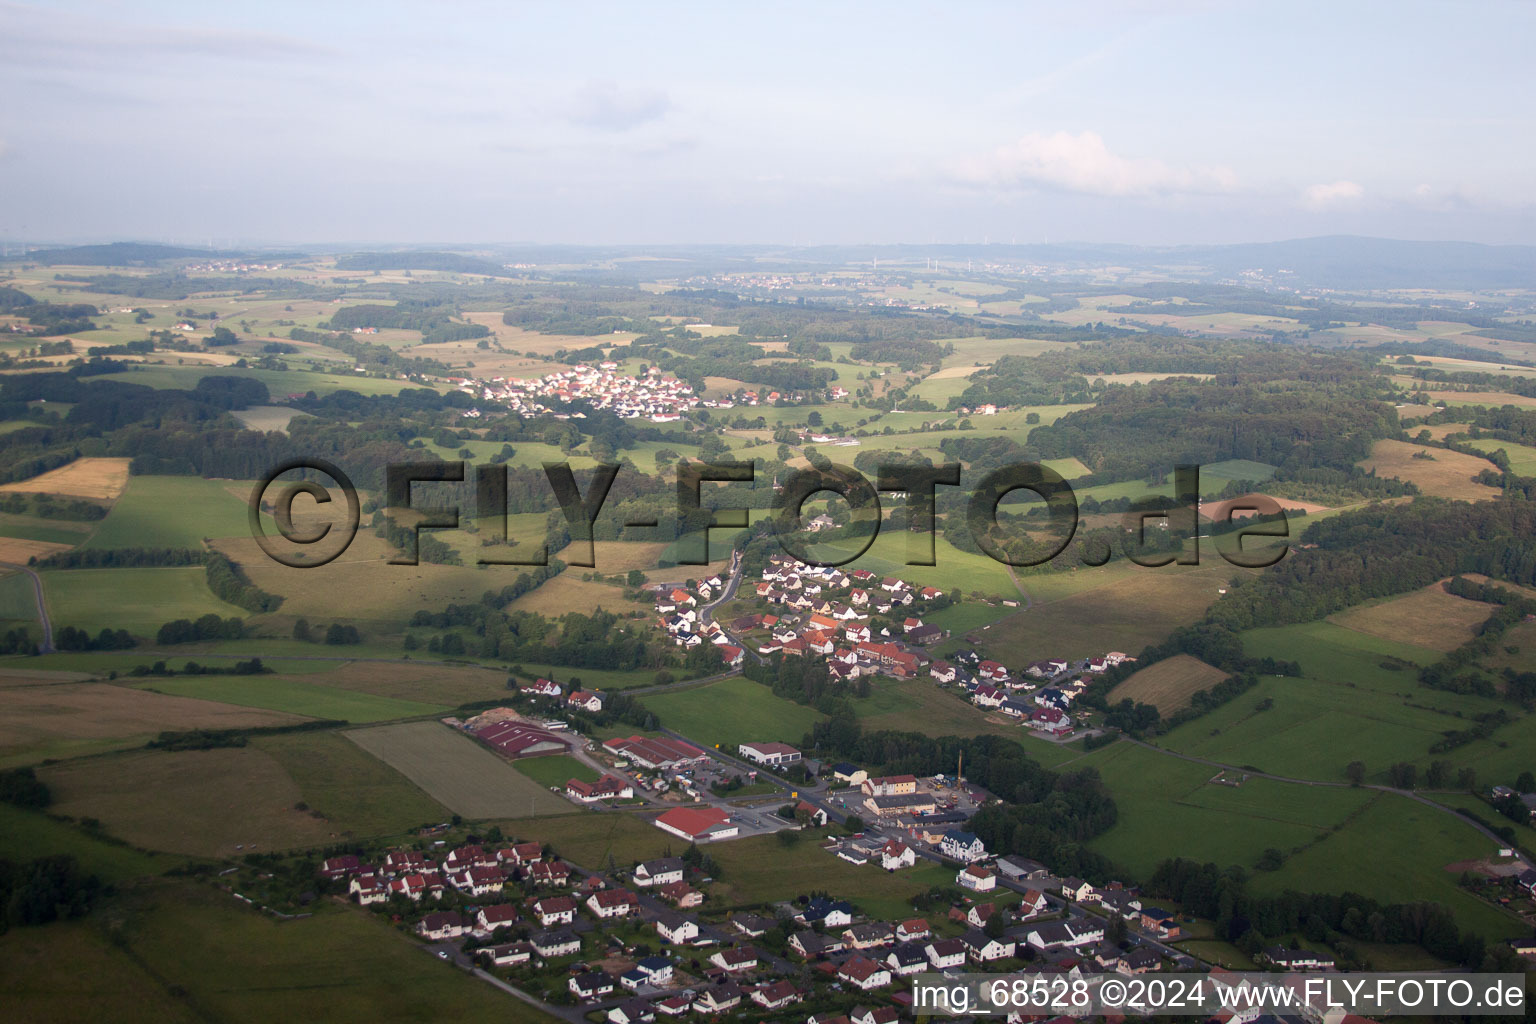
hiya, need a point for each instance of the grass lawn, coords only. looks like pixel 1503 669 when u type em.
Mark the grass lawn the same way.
pixel 554 771
pixel 25 835
pixel 920 705
pixel 174 512
pixel 589 838
pixel 1397 850
pixel 138 600
pixel 1118 607
pixel 731 712
pixel 1169 808
pixel 761 869
pixel 18 597
pixel 301 697
pixel 350 787
pixel 183 951
pixel 208 803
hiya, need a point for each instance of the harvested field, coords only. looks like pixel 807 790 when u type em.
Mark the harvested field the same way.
pixel 1446 474
pixel 458 772
pixel 54 719
pixel 1428 618
pixel 1217 511
pixel 17 551
pixel 201 802
pixel 1169 684
pixel 83 478
pixel 1493 398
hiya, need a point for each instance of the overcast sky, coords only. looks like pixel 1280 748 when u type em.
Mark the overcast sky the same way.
pixel 824 123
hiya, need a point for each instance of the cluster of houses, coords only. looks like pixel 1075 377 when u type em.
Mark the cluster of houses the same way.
pixel 651 395
pixel 1041 696
pixel 529 910
pixel 677 612
pixel 473 871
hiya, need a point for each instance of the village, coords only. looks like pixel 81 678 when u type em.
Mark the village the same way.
pixel 649 395
pixel 643 942
pixel 823 612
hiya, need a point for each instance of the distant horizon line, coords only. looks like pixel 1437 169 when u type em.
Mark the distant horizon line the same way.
pixel 226 245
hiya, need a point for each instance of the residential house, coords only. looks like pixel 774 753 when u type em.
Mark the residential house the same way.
pixel 675 928
pixel 896 855
pixel 511 954
pixel 497 915
pixel 984 949
pixel 717 998
pixel 441 925
pixel 863 973
pixel 962 846
pixel 907 959
pixel 976 878
pixel 590 986
pixel 735 959
pixel 776 995
pixel 556 943
pixel 613 903
pixel 662 871
pixel 553 910
pixel 945 954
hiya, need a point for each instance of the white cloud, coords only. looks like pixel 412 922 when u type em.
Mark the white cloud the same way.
pixel 604 106
pixel 1083 163
pixel 1329 194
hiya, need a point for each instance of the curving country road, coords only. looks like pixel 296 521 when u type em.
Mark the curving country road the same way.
pixel 46 647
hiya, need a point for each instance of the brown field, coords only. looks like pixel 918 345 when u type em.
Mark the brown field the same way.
pixel 569 593
pixel 83 478
pixel 1216 511
pixel 519 340
pixel 1427 618
pixel 1494 398
pixel 1131 608
pixel 52 719
pixel 17 551
pixel 456 771
pixel 375 591
pixel 1448 475
pixel 1143 378
pixel 1440 431
pixel 614 556
pixel 426 681
pixel 1169 684
pixel 951 373
pixel 716 387
pixel 488 362
pixel 200 802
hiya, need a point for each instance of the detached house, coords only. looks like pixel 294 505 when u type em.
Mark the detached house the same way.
pixel 864 973
pixel 962 846
pixel 675 928
pixel 613 903
pixel 441 925
pixel 896 855
pixel 976 878
pixel 663 871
